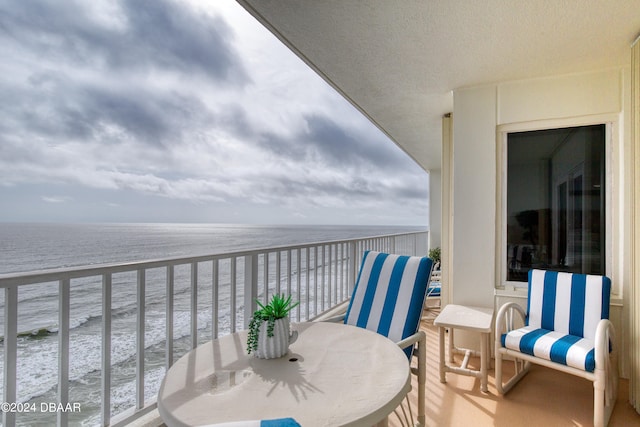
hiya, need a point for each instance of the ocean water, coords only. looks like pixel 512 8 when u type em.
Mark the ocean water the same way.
pixel 28 247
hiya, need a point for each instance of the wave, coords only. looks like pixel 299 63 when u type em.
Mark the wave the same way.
pixel 36 380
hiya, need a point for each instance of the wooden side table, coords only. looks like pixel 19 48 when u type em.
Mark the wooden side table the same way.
pixel 476 319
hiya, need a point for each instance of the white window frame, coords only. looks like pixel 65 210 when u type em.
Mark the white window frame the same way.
pixel 611 122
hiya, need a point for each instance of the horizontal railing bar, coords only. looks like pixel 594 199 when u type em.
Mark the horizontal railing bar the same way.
pixel 51 275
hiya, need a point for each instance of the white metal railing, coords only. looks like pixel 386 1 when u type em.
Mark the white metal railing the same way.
pixel 318 275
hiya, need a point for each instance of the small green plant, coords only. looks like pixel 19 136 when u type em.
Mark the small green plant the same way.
pixel 277 308
pixel 434 254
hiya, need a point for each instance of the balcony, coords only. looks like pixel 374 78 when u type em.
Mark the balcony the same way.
pixel 172 305
pixel 460 402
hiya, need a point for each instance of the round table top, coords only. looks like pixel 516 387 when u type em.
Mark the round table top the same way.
pixel 333 375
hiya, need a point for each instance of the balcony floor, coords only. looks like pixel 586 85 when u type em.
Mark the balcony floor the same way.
pixel 544 397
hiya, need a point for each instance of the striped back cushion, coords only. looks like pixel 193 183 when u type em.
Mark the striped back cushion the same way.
pixel 389 294
pixel 568 303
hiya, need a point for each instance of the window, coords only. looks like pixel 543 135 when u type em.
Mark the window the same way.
pixel 555 201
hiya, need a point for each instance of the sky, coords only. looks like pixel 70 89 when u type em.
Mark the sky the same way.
pixel 182 111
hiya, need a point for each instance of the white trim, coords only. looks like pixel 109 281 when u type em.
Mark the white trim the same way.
pixel 612 123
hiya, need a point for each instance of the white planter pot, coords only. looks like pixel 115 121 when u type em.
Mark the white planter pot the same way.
pixel 277 345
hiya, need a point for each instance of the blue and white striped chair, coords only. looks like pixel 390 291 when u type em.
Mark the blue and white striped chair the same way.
pixel 434 291
pixel 567 328
pixel 388 298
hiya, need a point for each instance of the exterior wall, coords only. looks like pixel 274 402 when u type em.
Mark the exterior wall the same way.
pixel 479 115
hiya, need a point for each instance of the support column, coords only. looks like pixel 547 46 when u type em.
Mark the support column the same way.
pixel 446 217
pixel 435 208
pixel 634 297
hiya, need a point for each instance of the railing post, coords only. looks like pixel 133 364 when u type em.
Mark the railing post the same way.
pixel 307 282
pixel 64 309
pixel 214 299
pixel 106 349
pixel 10 351
pixel 265 275
pixel 169 317
pixel 298 282
pixel 353 267
pixel 234 292
pixel 250 287
pixel 194 305
pixel 140 329
pixel 278 272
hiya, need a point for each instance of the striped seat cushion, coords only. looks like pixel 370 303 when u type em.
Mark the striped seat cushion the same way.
pixel 563 312
pixel 389 294
pixel 569 350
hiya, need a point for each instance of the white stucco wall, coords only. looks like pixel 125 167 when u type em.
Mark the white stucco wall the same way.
pixel 474 198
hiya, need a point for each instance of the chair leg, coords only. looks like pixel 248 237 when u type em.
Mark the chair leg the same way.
pixel 605 390
pixel 422 378
pixel 521 369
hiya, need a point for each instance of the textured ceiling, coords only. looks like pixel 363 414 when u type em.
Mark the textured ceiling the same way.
pixel 399 61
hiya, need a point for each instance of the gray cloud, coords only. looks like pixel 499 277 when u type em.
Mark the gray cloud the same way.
pixel 328 143
pixel 117 98
pixel 336 145
pixel 56 107
pixel 138 35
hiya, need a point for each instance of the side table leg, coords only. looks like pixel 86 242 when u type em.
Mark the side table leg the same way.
pixel 451 346
pixel 443 378
pixel 484 356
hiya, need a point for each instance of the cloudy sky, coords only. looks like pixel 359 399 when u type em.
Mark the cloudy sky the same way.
pixel 182 111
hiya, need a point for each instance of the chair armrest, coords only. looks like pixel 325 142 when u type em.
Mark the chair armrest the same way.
pixel 335 319
pixel 412 339
pixel 604 341
pixel 505 319
pixel 606 360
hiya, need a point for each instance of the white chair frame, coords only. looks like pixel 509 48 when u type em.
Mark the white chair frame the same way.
pixel 604 376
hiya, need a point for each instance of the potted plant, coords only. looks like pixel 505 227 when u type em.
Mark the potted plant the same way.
pixel 434 254
pixel 269 335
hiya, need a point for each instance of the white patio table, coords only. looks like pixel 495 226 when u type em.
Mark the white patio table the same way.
pixel 333 375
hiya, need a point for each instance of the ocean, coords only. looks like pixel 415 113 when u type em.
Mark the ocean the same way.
pixel 27 247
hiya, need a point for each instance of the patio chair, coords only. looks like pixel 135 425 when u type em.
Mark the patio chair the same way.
pixel 434 290
pixel 388 299
pixel 566 328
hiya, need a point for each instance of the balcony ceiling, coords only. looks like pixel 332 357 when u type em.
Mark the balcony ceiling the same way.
pixel 399 61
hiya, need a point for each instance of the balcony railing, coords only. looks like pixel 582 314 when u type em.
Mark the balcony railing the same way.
pixel 196 298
